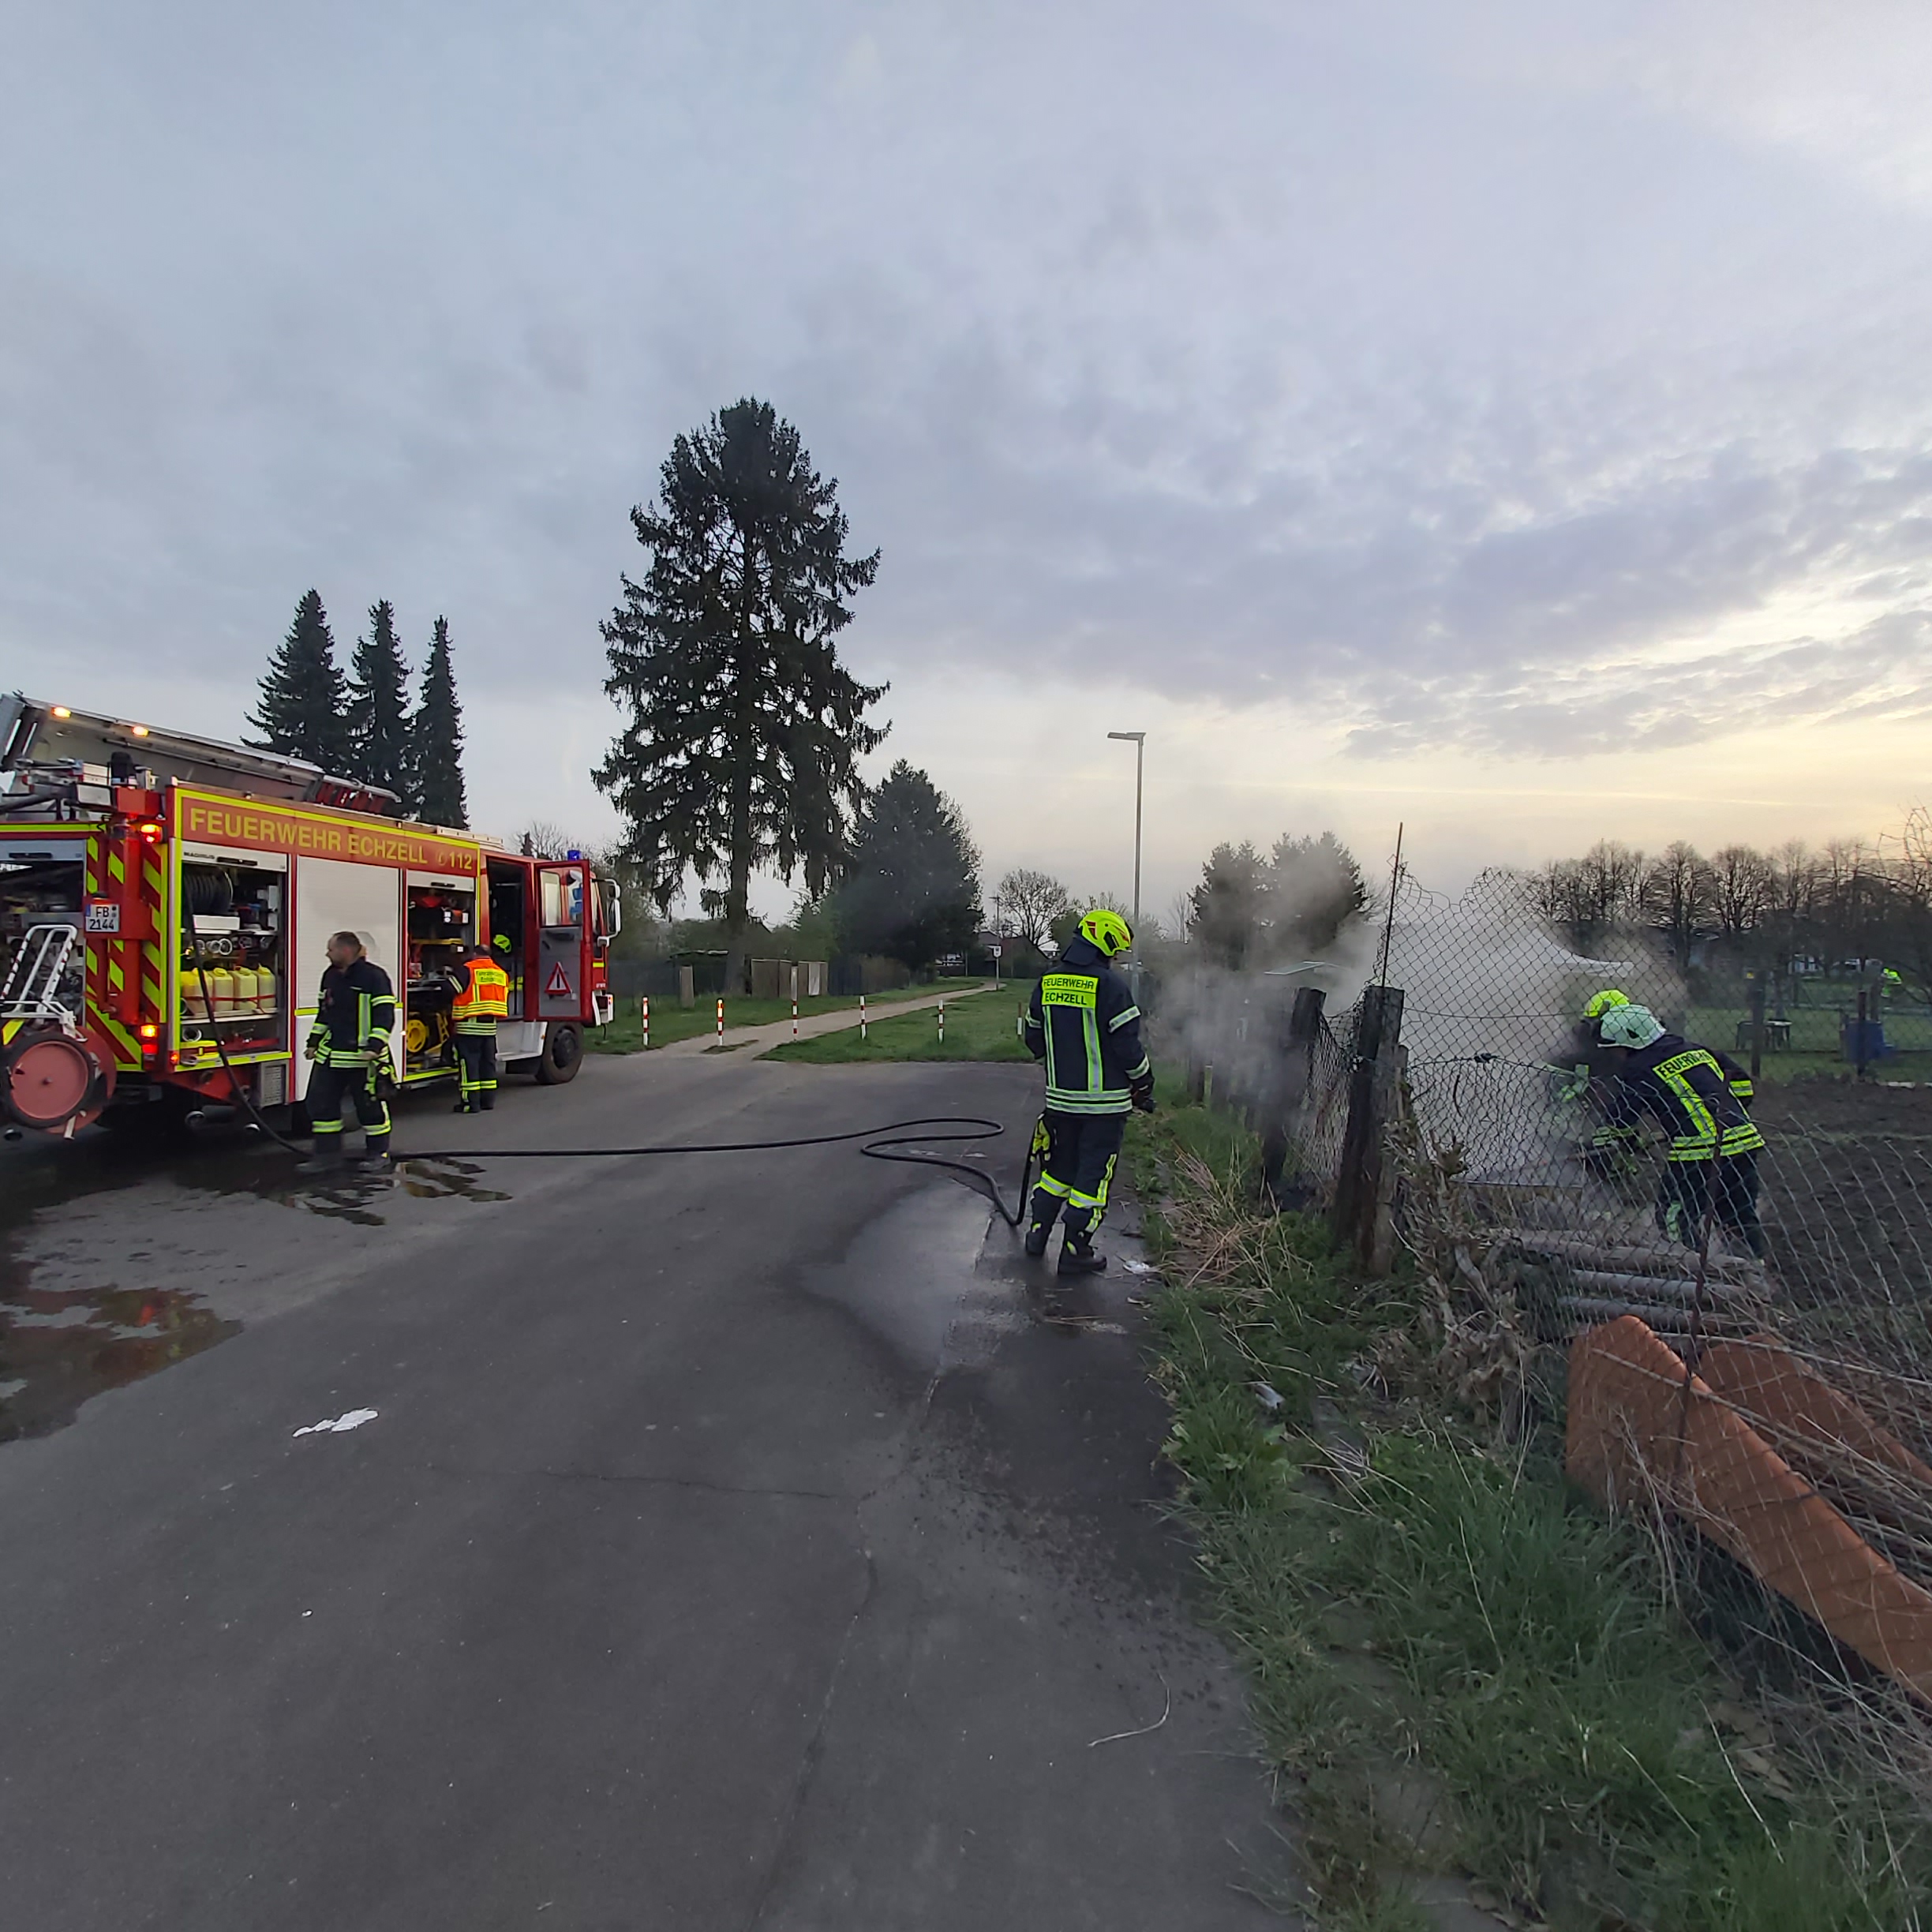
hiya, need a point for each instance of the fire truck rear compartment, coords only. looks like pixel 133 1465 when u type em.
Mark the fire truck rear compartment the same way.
pixel 41 884
pixel 232 976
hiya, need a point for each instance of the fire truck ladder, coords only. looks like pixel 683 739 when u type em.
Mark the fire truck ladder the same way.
pixel 40 959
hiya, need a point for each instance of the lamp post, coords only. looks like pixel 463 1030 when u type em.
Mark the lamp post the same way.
pixel 1138 740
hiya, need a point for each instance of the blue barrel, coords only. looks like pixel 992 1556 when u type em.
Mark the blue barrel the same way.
pixel 1863 1041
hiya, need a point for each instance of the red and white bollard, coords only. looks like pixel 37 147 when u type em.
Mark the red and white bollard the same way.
pixel 720 1038
pixel 942 1024
pixel 862 1019
pixel 644 1015
pixel 794 1016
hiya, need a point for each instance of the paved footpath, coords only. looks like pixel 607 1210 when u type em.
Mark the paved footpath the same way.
pixel 737 1544
pixel 840 1019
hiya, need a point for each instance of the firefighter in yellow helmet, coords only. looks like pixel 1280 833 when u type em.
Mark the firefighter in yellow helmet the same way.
pixel 1082 1021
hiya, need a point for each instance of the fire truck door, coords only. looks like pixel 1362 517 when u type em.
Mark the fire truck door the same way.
pixel 333 896
pixel 561 944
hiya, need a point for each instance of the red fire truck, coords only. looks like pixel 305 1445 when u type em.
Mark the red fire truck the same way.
pixel 164 901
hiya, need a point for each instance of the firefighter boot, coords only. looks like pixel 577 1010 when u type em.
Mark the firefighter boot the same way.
pixel 1077 1255
pixel 326 1159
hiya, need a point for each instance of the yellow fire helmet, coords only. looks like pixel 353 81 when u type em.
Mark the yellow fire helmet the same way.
pixel 1107 931
pixel 1600 1003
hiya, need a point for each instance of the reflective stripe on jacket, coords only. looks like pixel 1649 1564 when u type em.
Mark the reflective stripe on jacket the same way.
pixel 1685 1089
pixel 355 1015
pixel 1083 1022
pixel 482 995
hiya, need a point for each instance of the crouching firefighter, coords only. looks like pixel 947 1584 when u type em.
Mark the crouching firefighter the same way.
pixel 482 997
pixel 1710 1168
pixel 1083 1023
pixel 349 1043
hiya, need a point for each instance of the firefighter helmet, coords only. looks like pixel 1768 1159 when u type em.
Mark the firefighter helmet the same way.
pixel 1106 929
pixel 1600 1003
pixel 1626 1025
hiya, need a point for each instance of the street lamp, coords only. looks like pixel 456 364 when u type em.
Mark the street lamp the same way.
pixel 1138 740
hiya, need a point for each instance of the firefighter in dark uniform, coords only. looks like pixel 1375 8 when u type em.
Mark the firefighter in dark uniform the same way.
pixel 349 1043
pixel 1082 1021
pixel 1737 1077
pixel 1710 1167
pixel 482 998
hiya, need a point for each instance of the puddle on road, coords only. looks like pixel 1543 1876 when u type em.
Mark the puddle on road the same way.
pixel 58 1349
pixel 35 1178
pixel 65 1341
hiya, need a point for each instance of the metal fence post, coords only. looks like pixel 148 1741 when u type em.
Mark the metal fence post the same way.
pixel 1358 1184
pixel 1756 993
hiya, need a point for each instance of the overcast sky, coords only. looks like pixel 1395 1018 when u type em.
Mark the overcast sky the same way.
pixel 1514 420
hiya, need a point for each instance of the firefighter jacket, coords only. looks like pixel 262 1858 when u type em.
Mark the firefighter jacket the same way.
pixel 1686 1091
pixel 355 1016
pixel 482 995
pixel 1083 1022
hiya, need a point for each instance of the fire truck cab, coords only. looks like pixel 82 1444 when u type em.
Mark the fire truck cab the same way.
pixel 164 901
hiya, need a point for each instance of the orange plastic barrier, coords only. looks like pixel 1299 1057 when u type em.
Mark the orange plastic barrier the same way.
pixel 1640 1430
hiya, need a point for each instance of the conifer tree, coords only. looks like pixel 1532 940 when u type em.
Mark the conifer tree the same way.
pixel 378 734
pixel 435 739
pixel 911 889
pixel 744 732
pixel 302 710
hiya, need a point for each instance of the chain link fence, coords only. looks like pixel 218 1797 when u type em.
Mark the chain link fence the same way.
pixel 1444 1115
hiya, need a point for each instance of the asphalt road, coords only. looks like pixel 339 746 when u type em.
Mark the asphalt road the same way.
pixel 738 1541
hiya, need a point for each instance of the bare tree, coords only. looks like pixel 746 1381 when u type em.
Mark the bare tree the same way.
pixel 542 838
pixel 1180 911
pixel 1677 897
pixel 1029 903
pixel 1610 878
pixel 1741 884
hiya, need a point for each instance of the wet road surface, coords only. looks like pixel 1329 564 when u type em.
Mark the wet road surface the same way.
pixel 737 1542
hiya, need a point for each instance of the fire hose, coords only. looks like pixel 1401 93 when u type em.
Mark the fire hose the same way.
pixel 886 1143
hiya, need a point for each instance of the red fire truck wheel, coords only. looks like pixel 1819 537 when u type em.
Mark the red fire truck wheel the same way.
pixel 55 1081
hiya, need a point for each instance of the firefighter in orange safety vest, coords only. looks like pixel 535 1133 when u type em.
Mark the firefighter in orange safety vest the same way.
pixel 482 997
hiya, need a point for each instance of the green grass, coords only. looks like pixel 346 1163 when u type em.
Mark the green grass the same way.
pixel 983 1028
pixel 1815 1047
pixel 670 1021
pixel 1415 1609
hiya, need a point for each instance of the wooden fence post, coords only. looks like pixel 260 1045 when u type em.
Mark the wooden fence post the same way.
pixel 1294 1076
pixel 1373 1084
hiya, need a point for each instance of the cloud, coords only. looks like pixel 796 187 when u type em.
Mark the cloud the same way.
pixel 1523 389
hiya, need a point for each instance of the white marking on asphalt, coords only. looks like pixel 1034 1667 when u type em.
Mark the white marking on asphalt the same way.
pixel 335 1425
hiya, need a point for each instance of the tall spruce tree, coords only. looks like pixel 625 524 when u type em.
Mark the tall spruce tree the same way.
pixel 912 890
pixel 302 710
pixel 379 725
pixel 436 738
pixel 745 730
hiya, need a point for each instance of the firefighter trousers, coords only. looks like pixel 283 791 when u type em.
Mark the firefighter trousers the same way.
pixel 1726 1189
pixel 329 1086
pixel 1081 1150
pixel 476 1067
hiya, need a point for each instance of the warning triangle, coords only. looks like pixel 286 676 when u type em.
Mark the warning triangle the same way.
pixel 558 985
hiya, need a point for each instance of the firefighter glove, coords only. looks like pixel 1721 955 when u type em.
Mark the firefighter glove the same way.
pixel 1141 1093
